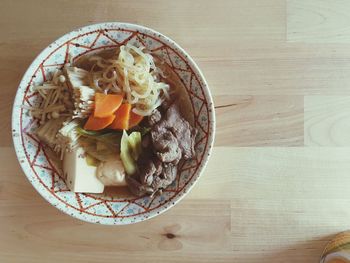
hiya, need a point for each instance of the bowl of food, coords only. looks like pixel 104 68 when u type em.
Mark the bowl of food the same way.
pixel 113 123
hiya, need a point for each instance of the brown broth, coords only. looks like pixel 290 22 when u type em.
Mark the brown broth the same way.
pixel 117 191
pixel 84 62
pixel 176 86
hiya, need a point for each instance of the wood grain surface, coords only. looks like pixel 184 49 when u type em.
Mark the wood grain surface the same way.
pixel 277 186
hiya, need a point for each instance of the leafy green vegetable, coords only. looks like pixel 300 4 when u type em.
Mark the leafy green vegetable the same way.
pixel 135 144
pixel 130 149
pixel 94 149
pixel 102 144
pixel 111 138
pixel 125 154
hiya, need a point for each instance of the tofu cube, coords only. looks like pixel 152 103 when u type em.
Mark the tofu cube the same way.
pixel 80 177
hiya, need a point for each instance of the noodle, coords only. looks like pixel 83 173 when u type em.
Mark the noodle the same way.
pixel 133 72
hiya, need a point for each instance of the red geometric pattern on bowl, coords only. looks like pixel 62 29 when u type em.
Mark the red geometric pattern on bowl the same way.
pixel 35 162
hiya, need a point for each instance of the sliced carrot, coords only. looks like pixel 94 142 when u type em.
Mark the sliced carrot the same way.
pixel 134 119
pixel 122 116
pixel 95 124
pixel 106 104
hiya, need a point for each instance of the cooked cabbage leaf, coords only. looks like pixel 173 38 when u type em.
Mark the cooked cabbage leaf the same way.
pixel 130 149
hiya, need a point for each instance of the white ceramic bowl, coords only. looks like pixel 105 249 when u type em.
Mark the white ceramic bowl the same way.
pixel 35 162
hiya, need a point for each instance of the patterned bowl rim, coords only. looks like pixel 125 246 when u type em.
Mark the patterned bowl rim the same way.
pixel 17 140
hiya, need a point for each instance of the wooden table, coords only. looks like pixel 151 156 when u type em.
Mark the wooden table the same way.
pixel 277 186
